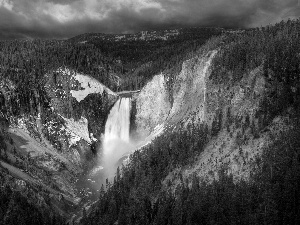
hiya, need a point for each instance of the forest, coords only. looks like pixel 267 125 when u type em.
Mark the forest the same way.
pixel 15 208
pixel 25 62
pixel 270 196
pixel 24 65
pixel 137 194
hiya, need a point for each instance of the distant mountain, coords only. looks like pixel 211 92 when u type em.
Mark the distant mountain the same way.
pixel 164 35
pixel 136 57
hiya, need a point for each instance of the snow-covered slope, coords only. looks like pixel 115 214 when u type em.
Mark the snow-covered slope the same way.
pixel 88 85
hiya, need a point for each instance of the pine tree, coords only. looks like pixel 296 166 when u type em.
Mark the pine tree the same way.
pixel 122 219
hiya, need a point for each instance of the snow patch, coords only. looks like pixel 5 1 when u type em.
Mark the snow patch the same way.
pixel 79 129
pixel 93 138
pixel 89 85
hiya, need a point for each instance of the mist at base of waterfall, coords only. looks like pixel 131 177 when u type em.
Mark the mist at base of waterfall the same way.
pixel 114 151
pixel 116 143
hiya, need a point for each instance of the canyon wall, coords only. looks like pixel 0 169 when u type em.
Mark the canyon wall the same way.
pixel 233 112
pixel 152 106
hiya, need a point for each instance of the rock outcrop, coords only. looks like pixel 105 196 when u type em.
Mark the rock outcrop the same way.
pixel 152 106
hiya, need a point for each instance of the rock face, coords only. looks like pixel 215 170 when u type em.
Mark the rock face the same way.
pixel 152 106
pixel 154 111
pixel 196 99
pixel 190 90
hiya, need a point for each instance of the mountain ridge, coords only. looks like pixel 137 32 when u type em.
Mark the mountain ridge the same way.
pixel 150 35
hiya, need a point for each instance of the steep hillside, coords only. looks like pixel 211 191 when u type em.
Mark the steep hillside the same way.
pixel 47 146
pixel 55 97
pixel 227 151
pixel 51 126
pixel 152 106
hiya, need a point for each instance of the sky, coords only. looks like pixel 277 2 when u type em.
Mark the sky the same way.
pixel 62 19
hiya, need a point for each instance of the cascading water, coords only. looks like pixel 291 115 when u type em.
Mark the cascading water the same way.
pixel 116 143
pixel 118 122
pixel 116 140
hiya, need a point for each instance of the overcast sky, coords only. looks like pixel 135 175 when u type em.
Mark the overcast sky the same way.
pixel 67 18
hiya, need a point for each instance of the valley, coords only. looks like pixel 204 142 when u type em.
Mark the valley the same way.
pixel 183 126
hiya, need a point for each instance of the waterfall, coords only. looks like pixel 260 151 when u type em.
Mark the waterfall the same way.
pixel 118 122
pixel 116 140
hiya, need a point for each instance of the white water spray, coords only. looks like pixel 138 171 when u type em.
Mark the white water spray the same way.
pixel 118 122
pixel 116 140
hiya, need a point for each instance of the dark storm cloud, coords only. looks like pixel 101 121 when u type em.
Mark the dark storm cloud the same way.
pixel 67 18
pixel 228 13
pixel 62 2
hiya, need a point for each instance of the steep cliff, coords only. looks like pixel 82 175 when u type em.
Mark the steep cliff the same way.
pixel 232 113
pixel 160 108
pixel 152 106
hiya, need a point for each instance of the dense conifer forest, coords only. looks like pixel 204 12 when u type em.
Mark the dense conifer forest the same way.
pixel 15 209
pixel 26 62
pixel 270 196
